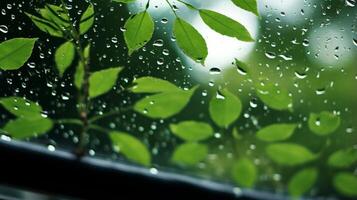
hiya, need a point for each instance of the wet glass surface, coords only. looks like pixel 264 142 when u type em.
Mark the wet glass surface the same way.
pixel 275 112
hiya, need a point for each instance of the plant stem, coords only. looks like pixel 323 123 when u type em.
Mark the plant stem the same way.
pixel 108 114
pixel 172 8
pixel 83 95
pixel 99 128
pixel 69 121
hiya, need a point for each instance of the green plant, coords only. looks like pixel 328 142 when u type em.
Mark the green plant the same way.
pixel 163 100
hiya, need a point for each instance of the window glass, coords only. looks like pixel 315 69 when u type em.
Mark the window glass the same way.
pixel 255 94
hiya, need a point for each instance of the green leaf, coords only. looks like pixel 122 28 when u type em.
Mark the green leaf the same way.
pixel 276 132
pixel 190 41
pixel 225 108
pixel 79 76
pixel 289 154
pixel 275 97
pixel 64 56
pixel 225 25
pixel 22 107
pixel 346 183
pixel 15 52
pixel 86 51
pixel 189 154
pixel 124 1
pixel 139 30
pixel 192 131
pixel 132 148
pixel 164 105
pixel 323 123
pixel 249 5
pixel 343 158
pixel 236 134
pixel 87 20
pixel 56 15
pixel 302 181
pixel 46 26
pixel 150 84
pixel 23 128
pixel 101 82
pixel 244 172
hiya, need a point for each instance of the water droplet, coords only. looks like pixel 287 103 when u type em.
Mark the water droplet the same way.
pixel 160 61
pixel 51 147
pixel 317 122
pixel 305 42
pixel 215 71
pixel 286 57
pixel 270 55
pixel 354 40
pixel 320 91
pixel 237 192
pixel 253 103
pixel 114 40
pixel 158 43
pixel 220 96
pixel 31 65
pixel 350 3
pixel 4 29
pixel 154 171
pixel 300 75
pixel 164 20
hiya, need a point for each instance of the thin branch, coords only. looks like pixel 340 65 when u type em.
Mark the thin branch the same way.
pixel 172 8
pixel 68 121
pixel 109 114
pixel 99 128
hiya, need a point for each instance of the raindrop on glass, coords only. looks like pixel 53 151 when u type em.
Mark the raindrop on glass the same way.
pixel 4 29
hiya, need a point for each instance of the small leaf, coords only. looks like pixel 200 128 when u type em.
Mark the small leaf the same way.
pixel 21 107
pixel 86 51
pixel 276 132
pixel 64 56
pixel 164 105
pixel 343 158
pixel 132 148
pixel 323 123
pixel 275 97
pixel 101 82
pixel 346 184
pixel 23 128
pixel 249 5
pixel 302 181
pixel 244 172
pixel 15 52
pixel 46 26
pixel 189 154
pixel 152 85
pixel 289 154
pixel 225 25
pixel 225 108
pixel 79 76
pixel 190 41
pixel 192 131
pixel 87 20
pixel 56 15
pixel 139 30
